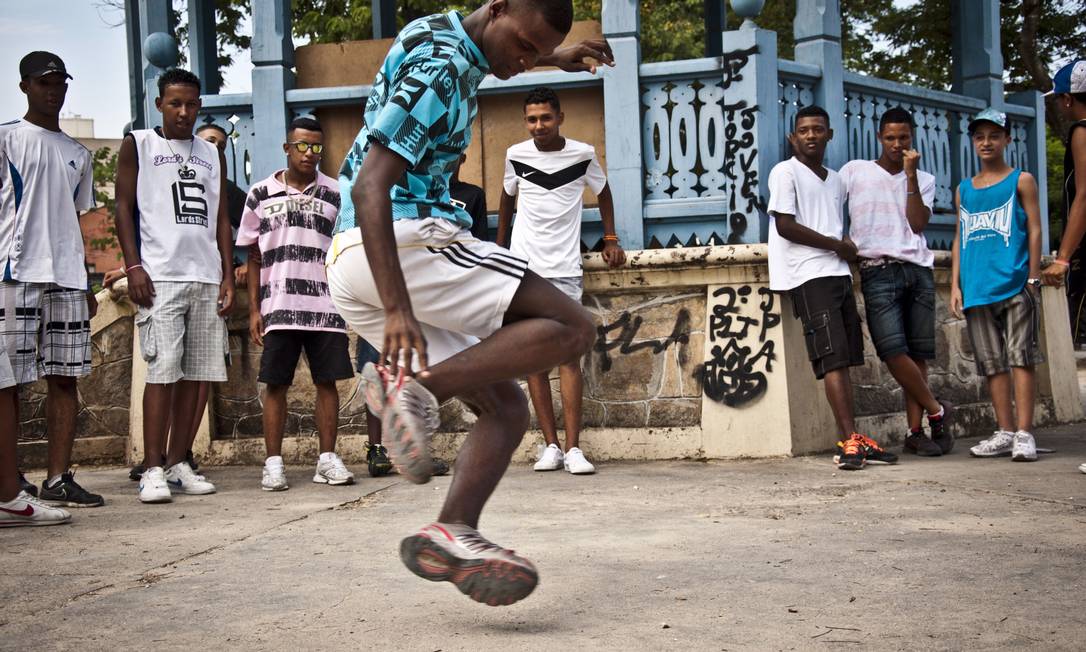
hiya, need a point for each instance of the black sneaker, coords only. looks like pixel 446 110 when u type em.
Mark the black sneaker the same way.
pixel 27 485
pixel 377 460
pixel 136 473
pixel 940 428
pixel 440 467
pixel 918 443
pixel 853 454
pixel 68 493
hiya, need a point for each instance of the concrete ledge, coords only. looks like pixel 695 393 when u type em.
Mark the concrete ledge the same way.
pixel 96 451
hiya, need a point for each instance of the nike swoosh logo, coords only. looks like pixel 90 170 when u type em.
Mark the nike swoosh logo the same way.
pixel 176 483
pixel 26 511
pixel 528 174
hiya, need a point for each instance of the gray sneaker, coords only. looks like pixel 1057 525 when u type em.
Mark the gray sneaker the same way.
pixel 1024 448
pixel 998 445
pixel 409 420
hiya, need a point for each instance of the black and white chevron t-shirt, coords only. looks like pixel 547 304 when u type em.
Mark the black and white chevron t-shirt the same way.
pixel 550 185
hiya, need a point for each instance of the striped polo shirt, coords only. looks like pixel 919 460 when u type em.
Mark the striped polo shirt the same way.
pixel 293 230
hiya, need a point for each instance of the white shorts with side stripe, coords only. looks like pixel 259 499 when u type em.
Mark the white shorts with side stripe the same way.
pixel 460 287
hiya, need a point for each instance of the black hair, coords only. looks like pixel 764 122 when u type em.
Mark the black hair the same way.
pixel 212 125
pixel 557 13
pixel 896 115
pixel 1079 97
pixel 304 122
pixel 812 111
pixel 176 76
pixel 543 95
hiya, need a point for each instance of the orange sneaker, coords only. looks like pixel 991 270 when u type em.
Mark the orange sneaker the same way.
pixel 875 454
pixel 853 454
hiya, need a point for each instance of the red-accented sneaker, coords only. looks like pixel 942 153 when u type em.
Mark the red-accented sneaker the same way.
pixel 873 453
pixel 410 418
pixel 25 509
pixel 375 381
pixel 853 454
pixel 483 571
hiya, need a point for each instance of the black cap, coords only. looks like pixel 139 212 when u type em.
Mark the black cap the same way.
pixel 39 64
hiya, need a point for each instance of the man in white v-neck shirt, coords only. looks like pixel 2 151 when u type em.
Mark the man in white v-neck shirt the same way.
pixel 808 258
pixel 889 204
pixel 46 180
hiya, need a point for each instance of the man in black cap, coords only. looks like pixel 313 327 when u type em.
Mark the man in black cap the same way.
pixel 46 180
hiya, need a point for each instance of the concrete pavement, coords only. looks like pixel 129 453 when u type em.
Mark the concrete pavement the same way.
pixel 943 554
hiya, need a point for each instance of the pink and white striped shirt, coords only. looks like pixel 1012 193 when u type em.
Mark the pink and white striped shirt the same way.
pixel 876 209
pixel 293 231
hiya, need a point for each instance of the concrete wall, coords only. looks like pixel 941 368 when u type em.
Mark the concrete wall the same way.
pixel 694 358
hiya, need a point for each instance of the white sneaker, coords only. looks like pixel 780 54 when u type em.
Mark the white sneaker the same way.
pixel 332 471
pixel 998 445
pixel 1025 448
pixel 153 486
pixel 25 509
pixel 274 478
pixel 1082 468
pixel 576 464
pixel 183 479
pixel 550 459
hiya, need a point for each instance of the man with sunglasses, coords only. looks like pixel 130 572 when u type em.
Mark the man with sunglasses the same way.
pixel 287 225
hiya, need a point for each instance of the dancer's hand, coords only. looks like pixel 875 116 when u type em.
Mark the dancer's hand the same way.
pixel 112 276
pixel 1054 274
pixel 403 340
pixel 572 58
pixel 613 254
pixel 226 295
pixel 956 302
pixel 140 288
pixel 256 327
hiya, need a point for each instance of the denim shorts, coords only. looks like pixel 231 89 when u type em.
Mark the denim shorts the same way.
pixel 900 301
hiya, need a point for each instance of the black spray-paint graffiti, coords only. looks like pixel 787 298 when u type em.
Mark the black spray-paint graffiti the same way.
pixel 628 326
pixel 740 186
pixel 732 375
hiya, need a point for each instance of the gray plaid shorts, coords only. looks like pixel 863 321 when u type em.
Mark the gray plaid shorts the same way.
pixel 46 332
pixel 1005 334
pixel 182 336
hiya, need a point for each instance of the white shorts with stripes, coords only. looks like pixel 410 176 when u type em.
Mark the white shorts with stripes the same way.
pixel 182 336
pixel 460 287
pixel 46 332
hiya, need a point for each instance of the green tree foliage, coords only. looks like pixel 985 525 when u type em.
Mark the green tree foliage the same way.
pixel 105 175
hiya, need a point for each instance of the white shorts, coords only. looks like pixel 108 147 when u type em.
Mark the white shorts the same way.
pixel 182 336
pixel 571 286
pixel 45 332
pixel 460 287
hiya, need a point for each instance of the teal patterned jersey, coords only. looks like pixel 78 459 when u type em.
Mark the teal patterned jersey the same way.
pixel 421 107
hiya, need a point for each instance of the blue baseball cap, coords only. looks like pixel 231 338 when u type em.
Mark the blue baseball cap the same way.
pixel 991 115
pixel 1070 79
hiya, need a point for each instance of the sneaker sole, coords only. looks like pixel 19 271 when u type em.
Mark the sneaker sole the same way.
pixel 68 503
pixel 410 457
pixel 592 472
pixel 989 455
pixel 546 468
pixel 374 389
pixel 320 479
pixel 4 524
pixel 495 582
pixel 283 488
pixel 867 462
pixel 850 466
pixel 156 499
pixel 1023 458
pixel 187 492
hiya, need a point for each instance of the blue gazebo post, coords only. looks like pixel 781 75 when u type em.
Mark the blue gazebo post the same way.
pixel 384 18
pixel 154 19
pixel 273 60
pixel 817 29
pixel 203 53
pixel 621 101
pixel 751 105
pixel 977 68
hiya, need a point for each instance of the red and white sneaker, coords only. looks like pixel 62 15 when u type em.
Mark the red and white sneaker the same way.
pixel 375 382
pixel 25 509
pixel 409 419
pixel 483 571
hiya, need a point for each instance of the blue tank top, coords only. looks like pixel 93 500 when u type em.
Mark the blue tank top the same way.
pixel 994 245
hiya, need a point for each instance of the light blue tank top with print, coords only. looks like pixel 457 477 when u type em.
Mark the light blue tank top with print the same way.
pixel 994 245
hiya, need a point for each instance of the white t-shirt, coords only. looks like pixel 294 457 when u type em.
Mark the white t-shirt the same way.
pixel 550 185
pixel 876 208
pixel 177 216
pixel 794 189
pixel 46 178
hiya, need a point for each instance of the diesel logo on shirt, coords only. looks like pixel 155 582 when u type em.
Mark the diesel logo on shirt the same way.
pixel 189 205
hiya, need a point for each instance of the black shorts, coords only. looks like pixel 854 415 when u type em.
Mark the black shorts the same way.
pixel 325 351
pixel 831 323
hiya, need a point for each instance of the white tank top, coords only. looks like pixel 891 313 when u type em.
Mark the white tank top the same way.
pixel 177 208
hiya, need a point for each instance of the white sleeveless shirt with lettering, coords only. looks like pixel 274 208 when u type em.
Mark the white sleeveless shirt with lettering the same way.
pixel 177 208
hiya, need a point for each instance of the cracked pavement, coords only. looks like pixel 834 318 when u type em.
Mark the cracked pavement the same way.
pixel 948 553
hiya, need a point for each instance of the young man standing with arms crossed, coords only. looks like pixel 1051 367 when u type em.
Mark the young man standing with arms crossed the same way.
pixel 889 205
pixel 1069 87
pixel 175 235
pixel 405 272
pixel 995 280
pixel 287 226
pixel 545 179
pixel 46 179
pixel 806 201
